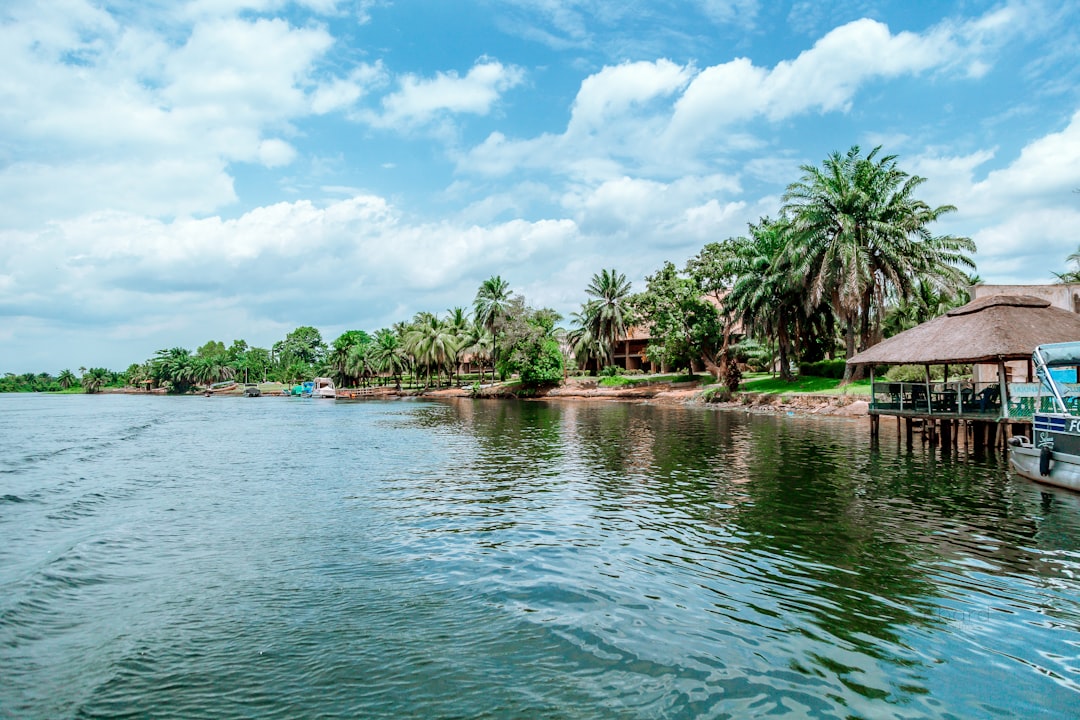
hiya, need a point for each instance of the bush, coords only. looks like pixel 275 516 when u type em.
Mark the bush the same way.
pixel 833 369
pixel 612 371
pixel 752 354
pixel 716 395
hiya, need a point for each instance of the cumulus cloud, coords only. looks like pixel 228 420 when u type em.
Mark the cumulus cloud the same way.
pixel 652 116
pixel 1022 215
pixel 419 99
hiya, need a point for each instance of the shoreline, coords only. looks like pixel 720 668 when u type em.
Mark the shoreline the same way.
pixel 661 393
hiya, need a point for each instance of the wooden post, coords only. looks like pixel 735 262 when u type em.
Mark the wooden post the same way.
pixel 946 433
pixel 1003 390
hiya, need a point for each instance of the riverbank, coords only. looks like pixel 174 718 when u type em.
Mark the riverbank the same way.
pixel 854 405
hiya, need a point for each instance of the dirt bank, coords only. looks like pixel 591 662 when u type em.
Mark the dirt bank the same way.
pixel 684 394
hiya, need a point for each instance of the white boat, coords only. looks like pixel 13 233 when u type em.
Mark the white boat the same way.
pixel 1052 456
pixel 324 388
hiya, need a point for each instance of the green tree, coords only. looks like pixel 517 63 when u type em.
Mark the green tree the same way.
pixel 388 356
pixel 66 378
pixel 94 380
pixel 213 348
pixel 490 308
pixel 531 345
pixel 173 368
pixel 683 325
pixel 861 234
pixel 768 295
pixel 608 313
pixel 304 344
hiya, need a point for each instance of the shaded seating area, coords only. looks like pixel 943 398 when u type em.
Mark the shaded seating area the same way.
pixel 986 333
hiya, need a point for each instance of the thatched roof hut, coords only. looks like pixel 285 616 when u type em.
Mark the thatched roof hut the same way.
pixel 987 330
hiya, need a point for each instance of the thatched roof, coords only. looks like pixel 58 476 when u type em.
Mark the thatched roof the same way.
pixel 998 327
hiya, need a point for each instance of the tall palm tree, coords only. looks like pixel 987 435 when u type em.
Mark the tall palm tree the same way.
pixel 584 345
pixel 94 380
pixel 608 311
pixel 66 378
pixel 860 234
pixel 388 356
pixel 491 307
pixel 767 294
pixel 432 344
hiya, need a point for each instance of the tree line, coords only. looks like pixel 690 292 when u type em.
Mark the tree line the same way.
pixel 849 259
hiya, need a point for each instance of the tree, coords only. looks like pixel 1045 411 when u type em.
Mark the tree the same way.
pixel 532 345
pixel 173 367
pixel 684 326
pixel 767 294
pixel 213 348
pixel 608 313
pixel 490 308
pixel 859 233
pixel 388 356
pixel 66 378
pixel 304 344
pixel 94 380
pixel 714 269
pixel 584 346
pixel 432 344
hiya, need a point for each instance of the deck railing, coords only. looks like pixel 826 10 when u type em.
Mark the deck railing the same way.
pixel 966 399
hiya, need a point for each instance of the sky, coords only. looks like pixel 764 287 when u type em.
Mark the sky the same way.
pixel 178 172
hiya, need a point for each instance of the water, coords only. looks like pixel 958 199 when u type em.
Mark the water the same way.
pixel 236 558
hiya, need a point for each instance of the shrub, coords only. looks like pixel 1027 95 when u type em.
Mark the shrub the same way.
pixel 612 371
pixel 823 368
pixel 716 395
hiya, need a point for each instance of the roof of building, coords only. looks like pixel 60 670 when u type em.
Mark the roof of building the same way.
pixel 997 327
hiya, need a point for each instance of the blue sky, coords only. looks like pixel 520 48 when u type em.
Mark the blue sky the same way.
pixel 176 172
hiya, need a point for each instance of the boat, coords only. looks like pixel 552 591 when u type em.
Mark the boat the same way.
pixel 324 388
pixel 252 390
pixel 1052 455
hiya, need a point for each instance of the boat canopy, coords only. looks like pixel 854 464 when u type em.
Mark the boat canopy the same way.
pixel 1059 354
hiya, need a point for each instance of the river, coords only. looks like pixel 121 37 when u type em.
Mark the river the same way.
pixel 285 558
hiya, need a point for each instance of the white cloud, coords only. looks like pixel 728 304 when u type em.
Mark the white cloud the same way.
pixel 624 120
pixel 420 99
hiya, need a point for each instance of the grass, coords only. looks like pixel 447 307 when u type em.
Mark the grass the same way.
pixel 631 380
pixel 805 385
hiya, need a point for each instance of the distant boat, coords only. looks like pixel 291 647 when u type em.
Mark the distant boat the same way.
pixel 252 390
pixel 1054 456
pixel 324 388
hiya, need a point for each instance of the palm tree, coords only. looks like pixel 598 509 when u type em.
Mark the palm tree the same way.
pixel 490 309
pixel 388 356
pixel 608 311
pixel 583 344
pixel 66 378
pixel 94 380
pixel 860 234
pixel 432 344
pixel 767 293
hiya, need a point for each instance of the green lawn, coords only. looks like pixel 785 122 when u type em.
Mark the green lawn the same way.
pixel 766 383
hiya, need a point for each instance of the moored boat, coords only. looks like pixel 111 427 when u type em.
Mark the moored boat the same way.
pixel 1052 455
pixel 323 388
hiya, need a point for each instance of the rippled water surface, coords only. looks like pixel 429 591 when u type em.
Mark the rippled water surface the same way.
pixel 220 558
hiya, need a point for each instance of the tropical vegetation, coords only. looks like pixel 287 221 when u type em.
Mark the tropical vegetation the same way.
pixel 849 258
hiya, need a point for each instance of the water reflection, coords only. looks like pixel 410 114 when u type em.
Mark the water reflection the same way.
pixel 837 551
